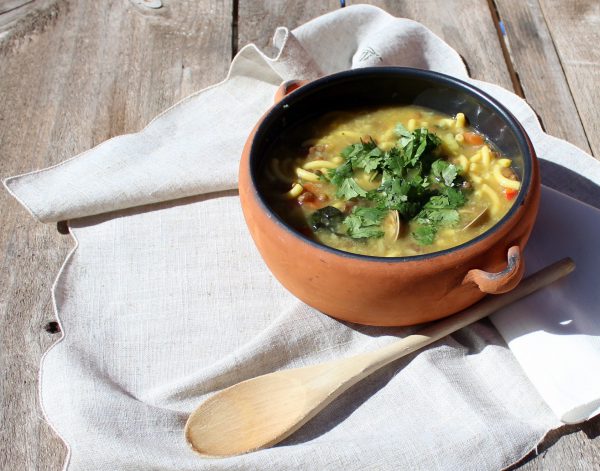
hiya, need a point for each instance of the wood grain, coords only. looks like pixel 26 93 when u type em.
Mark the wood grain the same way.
pixel 539 69
pixel 570 447
pixel 467 26
pixel 257 20
pixel 72 74
pixel 575 30
pixel 473 35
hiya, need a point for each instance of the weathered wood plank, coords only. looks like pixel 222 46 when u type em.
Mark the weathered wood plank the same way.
pixel 575 30
pixel 539 70
pixel 14 10
pixel 73 74
pixel 573 447
pixel 257 20
pixel 466 25
pixel 549 35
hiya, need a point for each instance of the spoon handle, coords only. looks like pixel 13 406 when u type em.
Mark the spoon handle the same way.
pixel 439 329
pixel 262 411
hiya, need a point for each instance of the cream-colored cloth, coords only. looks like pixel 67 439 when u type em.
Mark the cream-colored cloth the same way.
pixel 555 334
pixel 164 300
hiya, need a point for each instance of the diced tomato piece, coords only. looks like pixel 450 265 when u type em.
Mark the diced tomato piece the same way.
pixel 306 197
pixel 510 193
pixel 313 196
pixel 473 139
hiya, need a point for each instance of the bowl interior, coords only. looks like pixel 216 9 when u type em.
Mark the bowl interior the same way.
pixel 384 86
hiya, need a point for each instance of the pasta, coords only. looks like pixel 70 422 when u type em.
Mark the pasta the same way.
pixel 349 178
pixel 306 175
pixel 295 191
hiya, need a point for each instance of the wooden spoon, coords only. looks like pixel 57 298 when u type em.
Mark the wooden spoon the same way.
pixel 262 411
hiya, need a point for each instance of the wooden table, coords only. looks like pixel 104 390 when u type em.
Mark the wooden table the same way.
pixel 75 73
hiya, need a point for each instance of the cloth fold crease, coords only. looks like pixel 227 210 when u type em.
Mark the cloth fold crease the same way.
pixel 162 303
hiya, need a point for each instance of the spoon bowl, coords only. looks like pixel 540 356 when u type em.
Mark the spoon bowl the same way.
pixel 262 411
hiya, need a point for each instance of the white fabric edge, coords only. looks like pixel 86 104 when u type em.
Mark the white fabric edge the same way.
pixel 8 180
pixel 581 413
pixel 6 183
pixel 71 253
pixel 566 418
pixel 63 335
pixel 533 448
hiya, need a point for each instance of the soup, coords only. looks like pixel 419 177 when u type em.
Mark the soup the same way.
pixel 391 182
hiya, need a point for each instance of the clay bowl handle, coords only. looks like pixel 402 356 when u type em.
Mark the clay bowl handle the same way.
pixel 288 87
pixel 503 281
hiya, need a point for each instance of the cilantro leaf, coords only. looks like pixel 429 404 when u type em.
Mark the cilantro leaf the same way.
pixel 394 163
pixel 438 210
pixel 405 195
pixel 442 216
pixel 401 131
pixel 365 155
pixel 339 174
pixel 415 181
pixel 425 235
pixel 456 198
pixel 369 216
pixel 437 202
pixel 413 148
pixel 349 189
pixel 369 161
pixel 449 174
pixel 365 222
pixel 443 171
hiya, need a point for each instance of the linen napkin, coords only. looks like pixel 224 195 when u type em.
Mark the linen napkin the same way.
pixel 164 299
pixel 555 333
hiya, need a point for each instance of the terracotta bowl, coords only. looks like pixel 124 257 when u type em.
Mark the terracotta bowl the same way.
pixel 401 290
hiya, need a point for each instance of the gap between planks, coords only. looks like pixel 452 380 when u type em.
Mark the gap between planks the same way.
pixel 502 39
pixel 234 28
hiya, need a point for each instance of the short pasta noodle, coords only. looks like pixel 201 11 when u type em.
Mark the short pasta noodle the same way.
pixel 504 181
pixel 395 182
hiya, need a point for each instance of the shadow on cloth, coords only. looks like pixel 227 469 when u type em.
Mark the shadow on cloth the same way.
pixel 147 208
pixel 342 407
pixel 570 183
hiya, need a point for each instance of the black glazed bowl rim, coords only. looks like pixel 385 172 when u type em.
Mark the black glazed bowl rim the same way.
pixel 499 109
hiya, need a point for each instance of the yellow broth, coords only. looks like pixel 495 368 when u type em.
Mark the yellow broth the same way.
pixel 295 178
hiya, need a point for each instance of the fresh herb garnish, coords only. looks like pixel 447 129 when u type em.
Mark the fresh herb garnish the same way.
pixel 350 189
pixel 444 172
pixel 364 222
pixel 415 181
pixel 343 178
pixel 365 155
pixel 425 234
pixel 417 147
